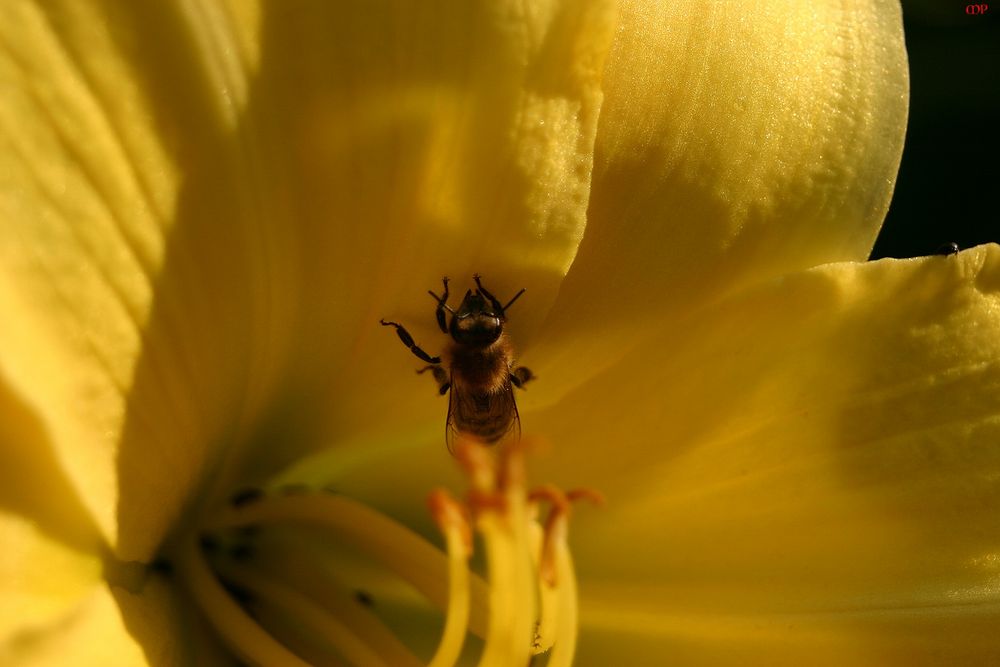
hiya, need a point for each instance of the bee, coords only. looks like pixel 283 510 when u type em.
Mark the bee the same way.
pixel 477 369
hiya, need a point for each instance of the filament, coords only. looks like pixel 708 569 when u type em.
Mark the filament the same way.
pixel 392 545
pixel 564 646
pixel 289 605
pixel 243 635
pixel 450 519
pixel 311 616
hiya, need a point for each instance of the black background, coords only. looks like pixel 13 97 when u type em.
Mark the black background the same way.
pixel 948 181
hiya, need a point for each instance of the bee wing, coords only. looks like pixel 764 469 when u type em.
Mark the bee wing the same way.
pixel 506 405
pixel 516 424
pixel 488 417
pixel 450 432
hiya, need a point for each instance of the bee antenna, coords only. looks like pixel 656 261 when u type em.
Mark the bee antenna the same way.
pixel 516 296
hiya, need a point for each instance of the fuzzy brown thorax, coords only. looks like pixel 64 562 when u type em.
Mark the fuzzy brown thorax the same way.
pixel 482 369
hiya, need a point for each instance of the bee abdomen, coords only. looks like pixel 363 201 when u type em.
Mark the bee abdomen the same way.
pixel 489 431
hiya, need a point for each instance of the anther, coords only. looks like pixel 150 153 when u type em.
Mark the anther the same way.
pixel 594 496
pixel 241 595
pixel 449 515
pixel 478 464
pixel 556 525
pixel 511 469
pixel 162 566
pixel 242 552
pixel 551 494
pixel 246 496
pixel 248 532
pixel 486 501
pixel 557 522
pixel 208 543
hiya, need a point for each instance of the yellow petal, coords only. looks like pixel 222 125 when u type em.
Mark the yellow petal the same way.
pixel 474 135
pixel 402 143
pixel 813 460
pixel 108 107
pixel 738 140
pixel 632 635
pixel 54 600
pixel 51 553
pixel 107 627
pixel 42 577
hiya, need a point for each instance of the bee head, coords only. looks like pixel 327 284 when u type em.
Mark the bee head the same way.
pixel 475 323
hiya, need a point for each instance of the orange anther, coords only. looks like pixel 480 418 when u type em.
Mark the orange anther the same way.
pixel 449 515
pixel 478 463
pixel 557 523
pixel 511 473
pixel 484 501
pixel 556 528
pixel 593 495
pixel 552 494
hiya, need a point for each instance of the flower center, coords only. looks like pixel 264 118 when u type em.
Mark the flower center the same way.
pixel 306 578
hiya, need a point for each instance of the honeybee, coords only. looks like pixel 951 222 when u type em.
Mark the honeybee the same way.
pixel 480 376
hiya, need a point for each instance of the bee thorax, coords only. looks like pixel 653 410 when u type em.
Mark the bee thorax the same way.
pixel 485 370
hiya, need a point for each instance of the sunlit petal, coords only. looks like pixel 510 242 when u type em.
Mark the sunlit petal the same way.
pixel 51 554
pixel 105 628
pixel 738 140
pixel 824 444
pixel 637 633
pixel 42 577
pixel 108 107
pixel 463 143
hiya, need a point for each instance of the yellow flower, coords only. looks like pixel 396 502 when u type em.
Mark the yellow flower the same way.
pixel 205 207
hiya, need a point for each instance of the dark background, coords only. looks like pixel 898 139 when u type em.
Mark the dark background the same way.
pixel 948 181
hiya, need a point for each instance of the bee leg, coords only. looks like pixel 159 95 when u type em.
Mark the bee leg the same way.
pixel 520 376
pixel 496 305
pixel 407 339
pixel 440 376
pixel 442 306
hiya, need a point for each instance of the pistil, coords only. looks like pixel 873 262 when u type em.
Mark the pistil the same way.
pixel 451 519
pixel 499 507
pixel 288 604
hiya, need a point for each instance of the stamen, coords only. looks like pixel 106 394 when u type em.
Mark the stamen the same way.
pixel 289 631
pixel 500 510
pixel 512 590
pixel 530 597
pixel 566 629
pixel 394 546
pixel 548 600
pixel 557 585
pixel 555 529
pixel 312 617
pixel 243 635
pixel 557 524
pixel 247 495
pixel 593 496
pixel 451 520
pixel 545 626
pixel 296 567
